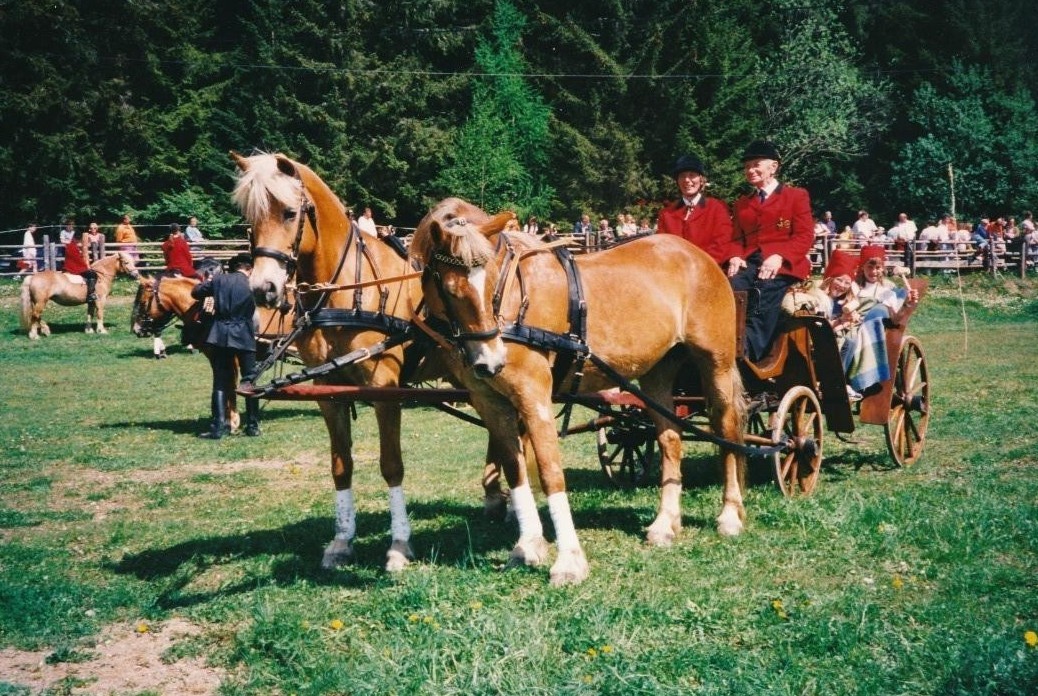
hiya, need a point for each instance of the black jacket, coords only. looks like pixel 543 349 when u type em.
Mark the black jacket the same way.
pixel 234 323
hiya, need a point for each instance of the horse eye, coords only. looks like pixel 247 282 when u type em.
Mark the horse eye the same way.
pixel 289 214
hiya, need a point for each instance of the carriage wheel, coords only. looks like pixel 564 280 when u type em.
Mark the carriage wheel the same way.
pixel 627 451
pixel 798 422
pixel 909 405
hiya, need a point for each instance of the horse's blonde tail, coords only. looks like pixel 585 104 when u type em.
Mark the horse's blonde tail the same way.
pixel 26 302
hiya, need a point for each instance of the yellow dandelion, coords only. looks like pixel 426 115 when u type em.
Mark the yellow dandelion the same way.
pixel 305 624
pixel 413 618
pixel 427 620
pixel 1031 638
pixel 897 582
pixel 607 649
pixel 780 611
pixel 143 627
pixel 475 605
pixel 587 679
pixel 592 653
pixel 336 624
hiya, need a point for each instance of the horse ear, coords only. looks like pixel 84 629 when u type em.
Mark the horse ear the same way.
pixel 240 160
pixel 496 223
pixel 285 165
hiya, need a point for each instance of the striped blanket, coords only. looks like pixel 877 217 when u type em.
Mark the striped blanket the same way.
pixel 865 356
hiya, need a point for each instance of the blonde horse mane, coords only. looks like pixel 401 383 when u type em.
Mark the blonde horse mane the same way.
pixel 260 180
pixel 463 228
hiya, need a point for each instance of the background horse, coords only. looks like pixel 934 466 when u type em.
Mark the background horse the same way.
pixel 653 305
pixel 70 290
pixel 301 233
pixel 162 298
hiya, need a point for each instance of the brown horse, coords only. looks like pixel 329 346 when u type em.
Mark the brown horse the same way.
pixel 162 298
pixel 301 234
pixel 652 305
pixel 70 290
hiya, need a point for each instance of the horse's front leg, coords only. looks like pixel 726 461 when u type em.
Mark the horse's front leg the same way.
pixel 571 565
pixel 500 419
pixel 391 462
pixel 340 550
pixel 100 312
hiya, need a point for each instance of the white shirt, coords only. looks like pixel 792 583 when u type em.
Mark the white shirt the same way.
pixel 367 225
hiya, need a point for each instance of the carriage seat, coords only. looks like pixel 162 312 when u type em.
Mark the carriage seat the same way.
pixel 772 364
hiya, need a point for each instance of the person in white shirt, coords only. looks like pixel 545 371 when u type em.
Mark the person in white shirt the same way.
pixel 29 250
pixel 366 223
pixel 904 230
pixel 864 228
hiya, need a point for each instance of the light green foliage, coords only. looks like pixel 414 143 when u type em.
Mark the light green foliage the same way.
pixel 498 158
pixel 819 105
pixel 984 133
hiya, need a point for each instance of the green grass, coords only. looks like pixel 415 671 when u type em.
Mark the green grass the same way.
pixel 915 581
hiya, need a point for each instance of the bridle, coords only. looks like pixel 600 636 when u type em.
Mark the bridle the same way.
pixel 149 325
pixel 289 261
pixel 454 332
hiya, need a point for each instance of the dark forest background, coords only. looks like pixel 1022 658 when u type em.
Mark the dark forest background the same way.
pixel 552 108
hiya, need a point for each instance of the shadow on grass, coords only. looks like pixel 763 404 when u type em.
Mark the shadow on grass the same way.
pixel 181 426
pixel 460 535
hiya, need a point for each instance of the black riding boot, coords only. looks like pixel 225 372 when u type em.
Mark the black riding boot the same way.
pixel 218 428
pixel 91 283
pixel 252 428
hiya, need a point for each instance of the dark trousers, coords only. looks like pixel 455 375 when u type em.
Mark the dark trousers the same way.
pixel 223 366
pixel 763 307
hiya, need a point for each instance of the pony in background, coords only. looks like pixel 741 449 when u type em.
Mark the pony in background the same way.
pixel 70 290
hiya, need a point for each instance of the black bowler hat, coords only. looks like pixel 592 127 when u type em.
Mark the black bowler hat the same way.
pixel 761 149
pixel 688 163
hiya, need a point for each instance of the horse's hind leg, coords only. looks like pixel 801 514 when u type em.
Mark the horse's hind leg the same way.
pixel 391 464
pixel 667 525
pixel 340 550
pixel 728 419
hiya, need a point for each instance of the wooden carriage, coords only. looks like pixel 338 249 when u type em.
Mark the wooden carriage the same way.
pixel 796 387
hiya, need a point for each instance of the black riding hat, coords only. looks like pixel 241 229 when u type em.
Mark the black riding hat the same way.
pixel 761 149
pixel 688 163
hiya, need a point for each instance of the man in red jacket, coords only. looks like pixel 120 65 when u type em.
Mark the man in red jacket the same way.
pixel 701 219
pixel 178 254
pixel 774 231
pixel 75 263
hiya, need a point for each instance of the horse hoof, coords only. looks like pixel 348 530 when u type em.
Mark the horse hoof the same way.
pixel 88 330
pixel 399 556
pixel 570 569
pixel 660 538
pixel 729 524
pixel 336 554
pixel 529 552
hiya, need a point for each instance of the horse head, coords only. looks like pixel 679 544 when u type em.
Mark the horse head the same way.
pixel 453 243
pixel 142 322
pixel 127 266
pixel 283 202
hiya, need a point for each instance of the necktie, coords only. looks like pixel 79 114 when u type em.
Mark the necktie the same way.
pixel 761 195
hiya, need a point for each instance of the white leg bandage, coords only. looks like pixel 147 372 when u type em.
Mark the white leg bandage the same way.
pixel 562 520
pixel 526 512
pixel 399 526
pixel 345 515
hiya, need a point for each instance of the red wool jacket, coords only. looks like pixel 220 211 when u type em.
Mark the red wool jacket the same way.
pixel 782 225
pixel 178 256
pixel 708 225
pixel 74 262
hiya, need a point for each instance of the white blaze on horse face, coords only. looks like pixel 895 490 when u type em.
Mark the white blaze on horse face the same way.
pixel 268 280
pixel 488 357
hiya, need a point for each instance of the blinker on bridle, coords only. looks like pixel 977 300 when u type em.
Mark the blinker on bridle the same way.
pixel 290 260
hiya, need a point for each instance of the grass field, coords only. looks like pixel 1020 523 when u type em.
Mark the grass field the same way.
pixel 914 581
